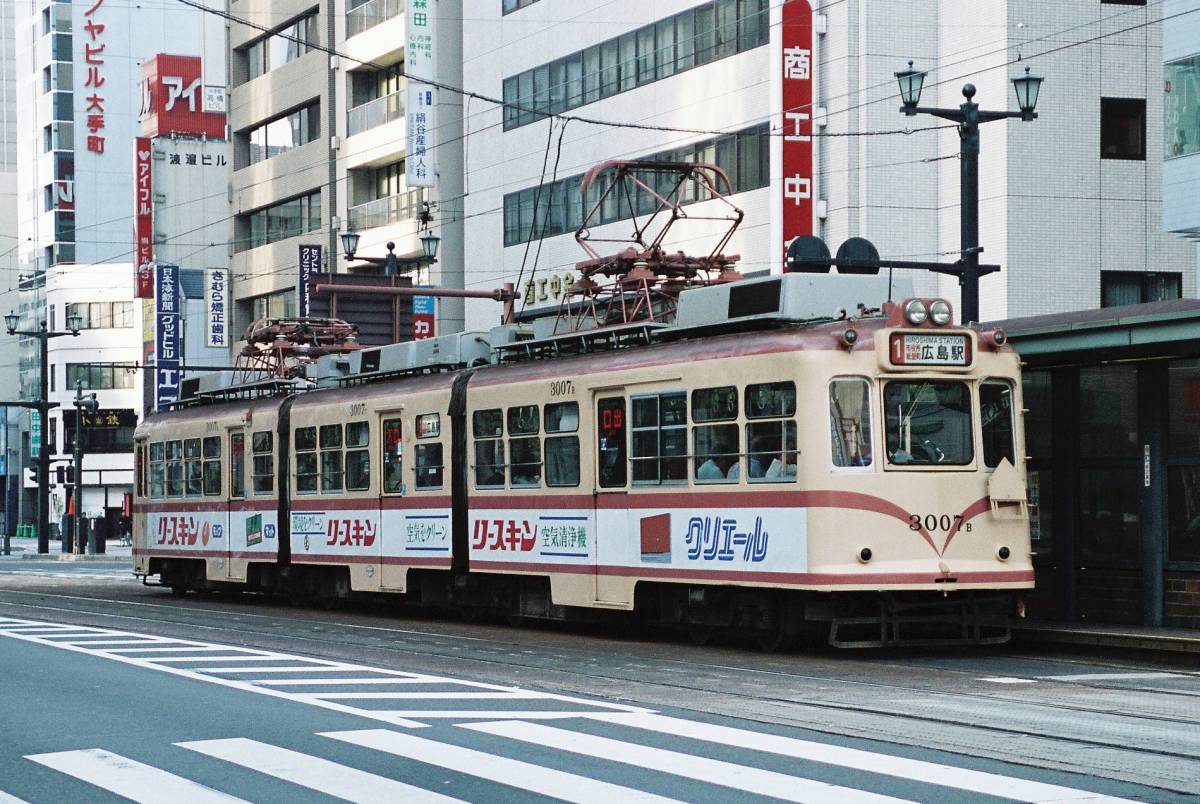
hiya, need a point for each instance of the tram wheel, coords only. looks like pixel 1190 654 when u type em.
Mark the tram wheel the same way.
pixel 773 641
pixel 700 635
pixel 179 590
pixel 470 614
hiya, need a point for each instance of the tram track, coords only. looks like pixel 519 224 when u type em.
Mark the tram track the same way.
pixel 785 710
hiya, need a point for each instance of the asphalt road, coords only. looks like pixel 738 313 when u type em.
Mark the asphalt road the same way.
pixel 113 689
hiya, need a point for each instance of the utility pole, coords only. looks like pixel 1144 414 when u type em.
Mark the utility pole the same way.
pixel 89 404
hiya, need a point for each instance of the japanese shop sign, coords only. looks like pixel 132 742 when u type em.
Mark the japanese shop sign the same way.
pixel 797 108
pixel 419 166
pixel 93 63
pixel 310 263
pixel 176 101
pixel 216 302
pixel 424 317
pixel 143 223
pixel 167 339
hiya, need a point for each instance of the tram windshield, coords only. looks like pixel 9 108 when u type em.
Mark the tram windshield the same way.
pixel 928 422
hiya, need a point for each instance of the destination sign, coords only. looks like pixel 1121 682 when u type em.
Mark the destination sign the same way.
pixel 929 349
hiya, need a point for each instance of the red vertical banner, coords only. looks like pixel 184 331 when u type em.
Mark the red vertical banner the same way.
pixel 143 206
pixel 796 71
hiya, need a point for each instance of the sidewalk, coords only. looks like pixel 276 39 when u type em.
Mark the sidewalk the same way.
pixel 27 548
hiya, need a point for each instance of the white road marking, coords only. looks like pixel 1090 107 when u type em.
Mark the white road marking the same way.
pixel 702 769
pixel 1008 680
pixel 94 642
pixel 420 696
pixel 502 770
pixel 1115 676
pixel 133 780
pixel 314 773
pixel 5 798
pixel 302 682
pixel 991 784
pixel 262 684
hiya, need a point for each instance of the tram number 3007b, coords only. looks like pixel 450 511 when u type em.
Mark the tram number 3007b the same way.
pixel 934 522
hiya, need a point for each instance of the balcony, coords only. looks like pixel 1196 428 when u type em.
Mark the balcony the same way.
pixel 370 14
pixel 375 113
pixel 389 209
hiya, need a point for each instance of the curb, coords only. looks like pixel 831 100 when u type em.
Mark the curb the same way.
pixel 1130 640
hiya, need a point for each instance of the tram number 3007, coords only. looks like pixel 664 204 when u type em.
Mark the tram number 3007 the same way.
pixel 934 522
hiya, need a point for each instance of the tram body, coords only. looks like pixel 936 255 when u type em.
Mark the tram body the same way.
pixel 864 474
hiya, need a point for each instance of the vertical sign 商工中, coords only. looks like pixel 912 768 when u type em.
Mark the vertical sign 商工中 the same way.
pixel 424 317
pixel 166 336
pixel 419 167
pixel 143 205
pixel 796 72
pixel 310 263
pixel 216 295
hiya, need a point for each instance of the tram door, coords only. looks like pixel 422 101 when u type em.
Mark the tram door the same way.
pixel 235 531
pixel 611 491
pixel 392 510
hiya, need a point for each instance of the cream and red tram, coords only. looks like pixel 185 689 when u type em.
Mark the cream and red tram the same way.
pixel 860 474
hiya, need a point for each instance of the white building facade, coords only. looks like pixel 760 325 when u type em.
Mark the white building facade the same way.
pixel 320 143
pixel 1070 204
pixel 1181 118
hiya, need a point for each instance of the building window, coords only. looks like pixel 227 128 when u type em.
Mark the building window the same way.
pixel 1118 288
pixel 283 220
pixel 288 44
pixel 560 207
pixel 285 133
pixel 101 376
pixel 694 37
pixel 509 6
pixel 1122 128
pixel 1181 107
pixel 103 315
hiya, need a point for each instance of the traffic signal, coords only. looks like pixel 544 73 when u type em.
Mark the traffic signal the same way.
pixel 31 475
pixel 60 475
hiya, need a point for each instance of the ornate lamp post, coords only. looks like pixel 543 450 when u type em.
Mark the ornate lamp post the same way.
pixel 968 116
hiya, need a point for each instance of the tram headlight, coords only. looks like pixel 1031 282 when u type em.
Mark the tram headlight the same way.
pixel 915 312
pixel 1003 553
pixel 864 555
pixel 999 337
pixel 850 337
pixel 940 312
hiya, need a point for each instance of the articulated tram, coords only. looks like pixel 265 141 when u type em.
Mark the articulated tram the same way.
pixel 862 475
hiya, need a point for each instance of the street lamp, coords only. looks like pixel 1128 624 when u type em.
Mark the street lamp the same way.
pixel 42 406
pixel 968 116
pixel 391 263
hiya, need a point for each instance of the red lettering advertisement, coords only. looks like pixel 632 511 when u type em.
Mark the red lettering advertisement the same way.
pixel 175 100
pixel 143 206
pixel 796 71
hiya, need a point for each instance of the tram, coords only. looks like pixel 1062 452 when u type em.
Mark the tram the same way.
pixel 747 468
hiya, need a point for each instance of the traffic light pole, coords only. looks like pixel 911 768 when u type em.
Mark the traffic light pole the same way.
pixel 43 467
pixel 81 402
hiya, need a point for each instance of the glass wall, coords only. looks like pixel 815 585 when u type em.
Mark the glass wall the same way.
pixel 281 221
pixel 288 44
pixel 1181 107
pixel 1183 461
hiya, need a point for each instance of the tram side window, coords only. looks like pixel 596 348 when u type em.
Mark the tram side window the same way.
pixel 488 427
pixel 306 460
pixel 331 457
pixel 237 465
pixel 212 466
pixel 393 457
pixel 174 468
pixel 193 470
pixel 850 421
pixel 715 452
pixel 996 415
pixel 524 446
pixel 358 456
pixel 158 470
pixel 429 456
pixel 611 448
pixel 928 422
pixel 562 451
pixel 139 457
pixel 771 438
pixel 263 466
pixel 659 452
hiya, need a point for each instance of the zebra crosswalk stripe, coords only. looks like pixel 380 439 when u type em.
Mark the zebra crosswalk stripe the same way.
pixel 503 770
pixel 991 784
pixel 314 773
pixel 131 779
pixel 703 769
